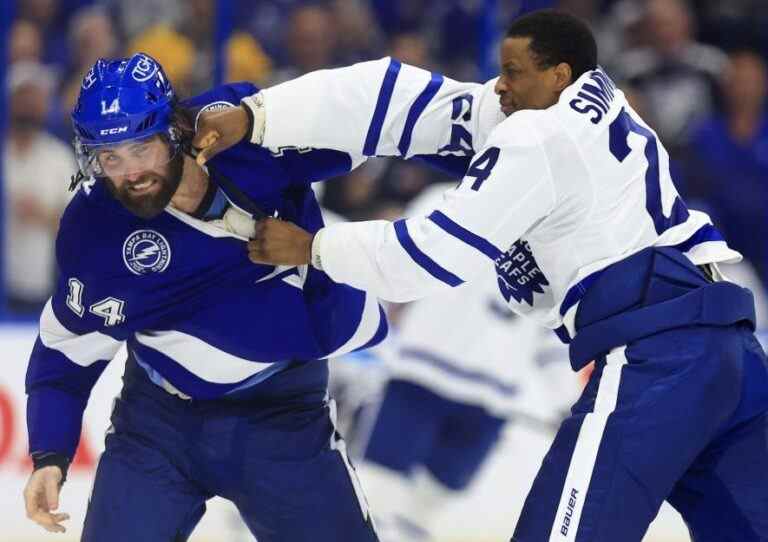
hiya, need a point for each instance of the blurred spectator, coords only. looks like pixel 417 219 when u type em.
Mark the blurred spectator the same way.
pixel 311 39
pixel 26 43
pixel 607 28
pixel 401 15
pixel 49 18
pixel 404 180
pixel 359 37
pixel 675 76
pixel 411 48
pixel 246 60
pixel 735 24
pixel 91 36
pixel 627 16
pixel 187 53
pixel 36 167
pixel 266 20
pixel 380 183
pixel 197 25
pixel 175 52
pixel 136 16
pixel 728 164
pixel 40 12
pixel 353 195
pixel 458 36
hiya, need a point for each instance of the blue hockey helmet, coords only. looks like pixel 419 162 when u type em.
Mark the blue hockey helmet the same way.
pixel 121 100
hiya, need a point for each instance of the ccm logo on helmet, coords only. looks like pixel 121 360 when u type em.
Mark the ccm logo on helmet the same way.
pixel 114 131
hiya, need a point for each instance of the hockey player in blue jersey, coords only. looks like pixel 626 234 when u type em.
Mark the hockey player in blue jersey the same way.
pixel 223 394
pixel 570 196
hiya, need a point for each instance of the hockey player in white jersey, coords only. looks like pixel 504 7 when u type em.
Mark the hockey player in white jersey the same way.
pixel 571 197
pixel 462 372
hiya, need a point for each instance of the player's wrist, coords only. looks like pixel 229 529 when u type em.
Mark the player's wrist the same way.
pixel 314 250
pixel 254 108
pixel 41 460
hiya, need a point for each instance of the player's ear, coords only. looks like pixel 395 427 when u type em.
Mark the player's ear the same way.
pixel 563 76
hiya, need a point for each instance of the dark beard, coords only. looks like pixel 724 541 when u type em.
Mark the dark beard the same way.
pixel 148 206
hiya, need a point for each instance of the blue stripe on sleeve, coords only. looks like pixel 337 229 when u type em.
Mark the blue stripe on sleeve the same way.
pixel 464 235
pixel 381 331
pixel 704 234
pixel 417 109
pixel 427 263
pixel 382 104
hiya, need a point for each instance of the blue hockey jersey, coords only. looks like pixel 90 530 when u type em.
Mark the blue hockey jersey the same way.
pixel 182 294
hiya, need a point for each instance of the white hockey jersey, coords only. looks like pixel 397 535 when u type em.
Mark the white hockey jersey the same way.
pixel 552 196
pixel 465 345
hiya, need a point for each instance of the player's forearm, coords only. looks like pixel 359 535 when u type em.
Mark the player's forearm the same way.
pixel 352 253
pixel 54 422
pixel 57 394
pixel 387 259
pixel 381 108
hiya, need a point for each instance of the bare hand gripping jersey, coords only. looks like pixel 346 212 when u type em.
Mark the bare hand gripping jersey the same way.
pixel 552 197
pixel 181 292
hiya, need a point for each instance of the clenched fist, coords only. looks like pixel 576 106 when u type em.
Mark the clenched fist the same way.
pixel 276 242
pixel 219 130
pixel 41 497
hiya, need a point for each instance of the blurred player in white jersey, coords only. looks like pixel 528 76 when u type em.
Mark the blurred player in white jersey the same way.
pixel 461 367
pixel 570 196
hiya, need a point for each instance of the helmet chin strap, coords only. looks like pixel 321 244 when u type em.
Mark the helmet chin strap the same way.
pixel 75 180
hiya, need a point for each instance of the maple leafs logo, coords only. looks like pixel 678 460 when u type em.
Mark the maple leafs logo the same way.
pixel 519 275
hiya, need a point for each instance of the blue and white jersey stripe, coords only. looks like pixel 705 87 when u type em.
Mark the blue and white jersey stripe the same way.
pixel 418 107
pixel 380 112
pixel 84 350
pixel 421 259
pixel 464 235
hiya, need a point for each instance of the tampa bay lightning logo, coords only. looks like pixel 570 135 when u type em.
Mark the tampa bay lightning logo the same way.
pixel 146 251
pixel 519 275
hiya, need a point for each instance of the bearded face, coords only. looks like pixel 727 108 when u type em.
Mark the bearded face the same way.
pixel 142 175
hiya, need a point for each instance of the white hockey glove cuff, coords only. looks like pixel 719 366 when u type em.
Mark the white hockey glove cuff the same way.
pixel 315 258
pixel 254 106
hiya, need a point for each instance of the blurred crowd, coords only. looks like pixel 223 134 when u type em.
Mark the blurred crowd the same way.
pixel 694 69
